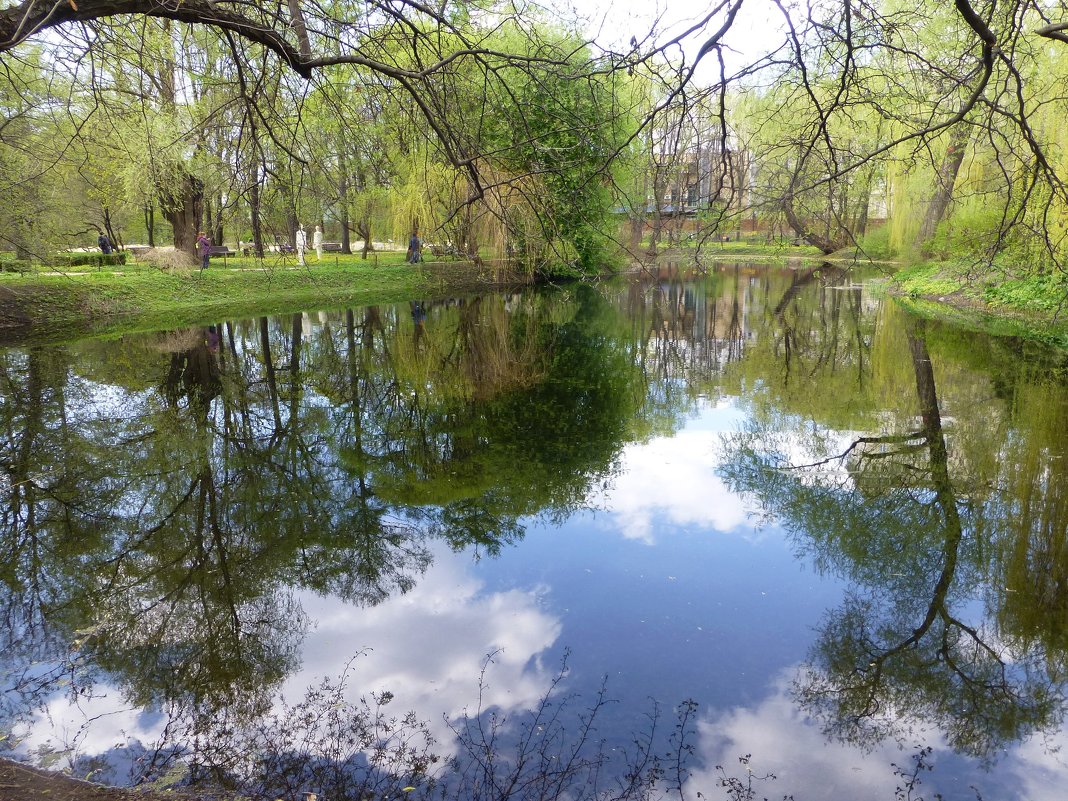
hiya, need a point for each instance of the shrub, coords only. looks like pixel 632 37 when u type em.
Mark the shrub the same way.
pixel 169 260
pixel 97 260
pixel 876 243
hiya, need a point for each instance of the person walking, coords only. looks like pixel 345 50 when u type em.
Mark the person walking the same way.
pixel 414 249
pixel 317 243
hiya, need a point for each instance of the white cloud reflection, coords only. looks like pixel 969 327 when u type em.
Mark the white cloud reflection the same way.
pixel 786 743
pixel 427 647
pixel 1039 767
pixel 675 480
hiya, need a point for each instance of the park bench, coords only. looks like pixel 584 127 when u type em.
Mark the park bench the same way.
pixel 220 250
pixel 443 250
pixel 331 247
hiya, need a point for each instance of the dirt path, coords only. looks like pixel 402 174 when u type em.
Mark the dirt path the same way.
pixel 20 782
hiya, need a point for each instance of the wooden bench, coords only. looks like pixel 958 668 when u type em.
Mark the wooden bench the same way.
pixel 443 250
pixel 220 250
pixel 331 247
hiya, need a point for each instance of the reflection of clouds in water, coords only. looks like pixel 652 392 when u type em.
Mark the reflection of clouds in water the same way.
pixel 785 742
pixel 87 727
pixel 674 479
pixel 427 647
pixel 1039 767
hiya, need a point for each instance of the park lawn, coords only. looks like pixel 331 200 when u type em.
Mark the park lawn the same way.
pixel 54 307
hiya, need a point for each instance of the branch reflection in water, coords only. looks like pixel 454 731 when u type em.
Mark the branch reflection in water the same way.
pixel 183 510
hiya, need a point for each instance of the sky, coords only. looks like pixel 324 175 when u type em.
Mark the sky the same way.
pixel 612 23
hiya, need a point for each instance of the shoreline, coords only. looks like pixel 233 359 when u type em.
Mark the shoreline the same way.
pixel 57 307
pixel 42 309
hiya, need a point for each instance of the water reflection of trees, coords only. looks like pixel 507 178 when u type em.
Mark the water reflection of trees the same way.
pixel 231 469
pixel 166 497
pixel 950 562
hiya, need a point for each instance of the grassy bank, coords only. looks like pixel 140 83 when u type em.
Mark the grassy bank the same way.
pixel 48 306
pixel 53 307
pixel 1033 307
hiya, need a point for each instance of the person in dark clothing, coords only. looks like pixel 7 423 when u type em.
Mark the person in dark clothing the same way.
pixel 414 248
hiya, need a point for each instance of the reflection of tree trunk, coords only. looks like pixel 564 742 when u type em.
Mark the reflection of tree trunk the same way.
pixel 22 485
pixel 372 321
pixel 296 337
pixel 268 370
pixel 355 403
pixel 943 487
pixel 803 279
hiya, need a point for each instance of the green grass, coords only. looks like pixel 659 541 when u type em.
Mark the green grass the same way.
pixel 111 301
pixel 1031 307
pixel 930 280
pixel 748 248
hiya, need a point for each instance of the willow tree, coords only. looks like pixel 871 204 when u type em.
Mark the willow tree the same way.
pixel 416 52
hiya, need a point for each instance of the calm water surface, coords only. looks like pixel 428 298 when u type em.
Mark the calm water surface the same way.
pixel 758 519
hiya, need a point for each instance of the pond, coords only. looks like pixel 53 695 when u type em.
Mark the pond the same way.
pixel 753 530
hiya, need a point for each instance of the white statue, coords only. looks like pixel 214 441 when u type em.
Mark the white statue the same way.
pixel 317 243
pixel 301 243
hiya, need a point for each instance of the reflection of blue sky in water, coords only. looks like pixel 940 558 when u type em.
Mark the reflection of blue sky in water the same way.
pixel 667 588
pixel 672 481
pixel 427 647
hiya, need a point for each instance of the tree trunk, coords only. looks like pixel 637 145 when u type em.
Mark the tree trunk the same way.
pixel 291 221
pixel 150 224
pixel 254 213
pixel 942 195
pixel 183 209
pixel 346 233
pixel 215 226
pixel 363 229
pixel 637 226
pixel 824 243
pixel 658 217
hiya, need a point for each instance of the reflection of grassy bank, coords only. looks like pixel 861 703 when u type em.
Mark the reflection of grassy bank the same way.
pixel 1029 307
pixel 713 249
pixel 57 307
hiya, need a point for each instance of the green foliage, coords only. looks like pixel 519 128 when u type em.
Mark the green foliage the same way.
pixel 93 259
pixel 558 135
pixel 930 280
pixel 876 244
pixel 15 266
pixel 1046 292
